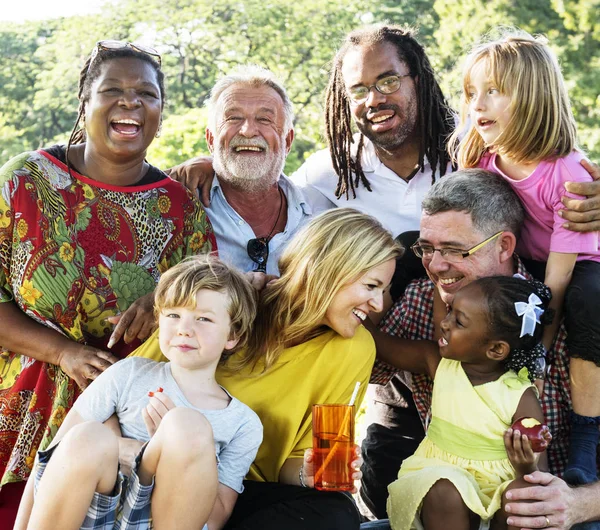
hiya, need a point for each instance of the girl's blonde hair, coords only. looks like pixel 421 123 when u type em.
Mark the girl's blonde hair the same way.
pixel 179 286
pixel 333 250
pixel 541 125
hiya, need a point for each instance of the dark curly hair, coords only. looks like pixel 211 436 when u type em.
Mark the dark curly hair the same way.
pixel 91 71
pixel 436 119
pixel 505 324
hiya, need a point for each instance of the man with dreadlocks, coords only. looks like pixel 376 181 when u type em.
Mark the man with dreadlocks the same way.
pixel 382 80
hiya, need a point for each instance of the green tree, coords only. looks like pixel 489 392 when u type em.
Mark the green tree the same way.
pixel 199 40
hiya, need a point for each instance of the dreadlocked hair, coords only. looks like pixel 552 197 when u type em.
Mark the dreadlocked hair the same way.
pixel 505 324
pixel 91 71
pixel 436 119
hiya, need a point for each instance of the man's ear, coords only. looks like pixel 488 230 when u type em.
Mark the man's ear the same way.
pixel 210 139
pixel 508 243
pixel 498 350
pixel 289 138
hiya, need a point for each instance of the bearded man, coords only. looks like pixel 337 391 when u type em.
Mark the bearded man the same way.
pixel 254 208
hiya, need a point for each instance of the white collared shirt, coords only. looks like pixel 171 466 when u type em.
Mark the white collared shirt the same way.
pixel 395 203
pixel 233 233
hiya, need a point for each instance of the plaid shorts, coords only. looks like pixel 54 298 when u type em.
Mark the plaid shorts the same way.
pixel 128 508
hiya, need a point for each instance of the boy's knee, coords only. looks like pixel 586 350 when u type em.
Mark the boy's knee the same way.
pixel 91 442
pixel 188 428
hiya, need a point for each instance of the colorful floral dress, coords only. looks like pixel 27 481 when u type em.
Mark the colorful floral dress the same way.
pixel 74 251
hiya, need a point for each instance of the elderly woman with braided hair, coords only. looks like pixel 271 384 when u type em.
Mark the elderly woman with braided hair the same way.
pixel 85 231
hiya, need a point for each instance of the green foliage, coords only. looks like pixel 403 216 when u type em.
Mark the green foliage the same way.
pixel 200 40
pixel 182 137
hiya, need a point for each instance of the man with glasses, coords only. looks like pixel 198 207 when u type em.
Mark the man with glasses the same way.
pixel 469 229
pixel 254 208
pixel 383 83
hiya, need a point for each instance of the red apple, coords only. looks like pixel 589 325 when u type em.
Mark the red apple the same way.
pixel 538 433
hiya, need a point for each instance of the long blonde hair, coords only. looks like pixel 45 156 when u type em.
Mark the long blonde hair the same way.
pixel 333 250
pixel 541 125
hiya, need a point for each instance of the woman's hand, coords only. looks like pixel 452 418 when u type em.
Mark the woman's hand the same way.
pixel 196 175
pixel 156 409
pixel 136 322
pixel 520 453
pixel 84 363
pixel 583 215
pixel 309 471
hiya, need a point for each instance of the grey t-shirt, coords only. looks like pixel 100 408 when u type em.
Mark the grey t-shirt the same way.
pixel 123 389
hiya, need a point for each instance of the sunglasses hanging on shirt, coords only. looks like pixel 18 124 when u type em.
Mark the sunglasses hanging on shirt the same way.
pixel 258 248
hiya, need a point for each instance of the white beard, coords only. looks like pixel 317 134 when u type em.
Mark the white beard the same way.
pixel 249 173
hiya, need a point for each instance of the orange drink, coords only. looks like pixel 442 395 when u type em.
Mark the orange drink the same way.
pixel 333 446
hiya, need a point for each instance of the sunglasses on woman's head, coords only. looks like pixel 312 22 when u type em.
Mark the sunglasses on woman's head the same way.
pixel 107 45
pixel 258 252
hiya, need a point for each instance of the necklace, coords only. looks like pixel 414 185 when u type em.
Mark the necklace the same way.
pixel 267 238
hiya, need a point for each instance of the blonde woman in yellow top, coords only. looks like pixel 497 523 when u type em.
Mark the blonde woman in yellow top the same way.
pixel 308 346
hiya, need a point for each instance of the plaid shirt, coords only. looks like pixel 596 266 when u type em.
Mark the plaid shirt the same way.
pixel 412 318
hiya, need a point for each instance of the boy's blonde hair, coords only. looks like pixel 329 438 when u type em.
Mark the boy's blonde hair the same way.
pixel 333 250
pixel 179 286
pixel 541 125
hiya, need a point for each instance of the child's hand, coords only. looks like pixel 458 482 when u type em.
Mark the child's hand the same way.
pixel 156 409
pixel 128 451
pixel 520 453
pixel 309 472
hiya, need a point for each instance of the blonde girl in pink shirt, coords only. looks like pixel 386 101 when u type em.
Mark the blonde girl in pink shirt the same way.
pixel 516 120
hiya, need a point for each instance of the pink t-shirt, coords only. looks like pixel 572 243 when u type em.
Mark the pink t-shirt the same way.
pixel 540 194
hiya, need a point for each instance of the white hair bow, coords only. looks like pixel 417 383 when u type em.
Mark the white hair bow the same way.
pixel 530 313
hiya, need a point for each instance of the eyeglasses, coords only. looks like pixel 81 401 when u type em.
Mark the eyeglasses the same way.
pixel 258 252
pixel 386 85
pixel 107 45
pixel 453 255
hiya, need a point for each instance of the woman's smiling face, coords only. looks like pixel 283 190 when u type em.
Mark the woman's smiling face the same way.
pixel 122 114
pixel 353 302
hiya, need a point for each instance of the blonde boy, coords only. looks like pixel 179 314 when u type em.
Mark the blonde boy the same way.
pixel 176 411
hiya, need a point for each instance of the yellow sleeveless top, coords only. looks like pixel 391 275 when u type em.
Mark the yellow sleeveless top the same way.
pixel 464 444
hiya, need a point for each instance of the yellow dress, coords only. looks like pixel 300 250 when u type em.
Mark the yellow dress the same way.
pixel 464 444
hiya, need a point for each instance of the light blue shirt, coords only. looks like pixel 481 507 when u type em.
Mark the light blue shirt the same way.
pixel 233 233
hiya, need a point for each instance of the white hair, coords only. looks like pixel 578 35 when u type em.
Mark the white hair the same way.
pixel 254 76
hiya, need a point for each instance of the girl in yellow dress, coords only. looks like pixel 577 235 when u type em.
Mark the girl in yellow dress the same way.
pixel 483 370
